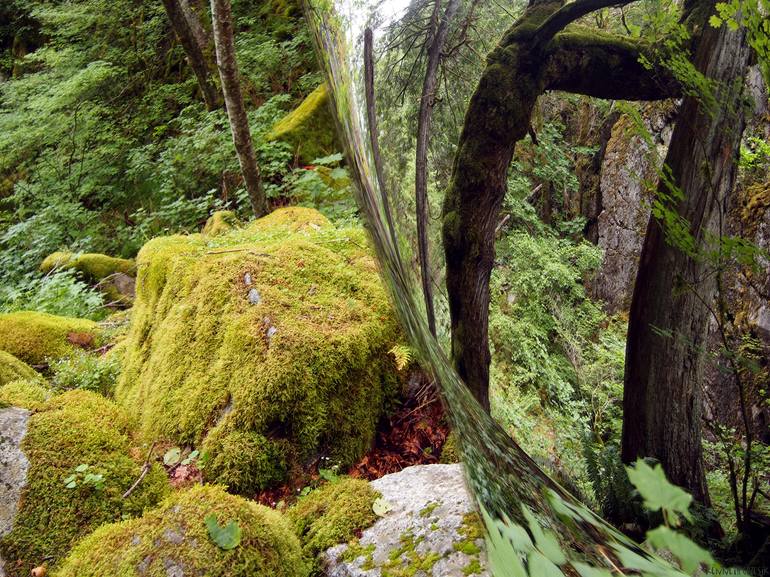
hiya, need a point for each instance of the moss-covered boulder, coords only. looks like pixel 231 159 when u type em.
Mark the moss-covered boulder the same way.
pixel 36 337
pixel 265 347
pixel 25 393
pixel 70 437
pixel 12 369
pixel 174 539
pixel 94 267
pixel 333 514
pixel 220 222
pixel 309 128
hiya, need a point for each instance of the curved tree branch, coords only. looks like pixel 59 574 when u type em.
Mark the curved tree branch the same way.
pixel 567 14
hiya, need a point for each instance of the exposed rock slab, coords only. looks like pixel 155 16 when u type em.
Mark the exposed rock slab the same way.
pixel 431 524
pixel 13 467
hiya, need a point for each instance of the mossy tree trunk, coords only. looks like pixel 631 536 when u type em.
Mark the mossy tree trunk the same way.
pixel 222 24
pixel 531 58
pixel 669 317
pixel 195 43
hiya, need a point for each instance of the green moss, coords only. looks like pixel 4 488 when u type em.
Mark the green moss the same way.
pixel 429 508
pixel 94 267
pixel 25 393
pixel 450 452
pixel 278 332
pixel 220 222
pixel 245 460
pixel 309 129
pixel 75 428
pixel 36 337
pixel 333 514
pixel 472 531
pixel 12 369
pixel 405 561
pixel 473 568
pixel 175 536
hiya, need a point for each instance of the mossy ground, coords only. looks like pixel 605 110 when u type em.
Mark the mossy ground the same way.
pixel 94 267
pixel 36 337
pixel 309 128
pixel 332 514
pixel 28 394
pixel 12 369
pixel 174 537
pixel 73 429
pixel 269 338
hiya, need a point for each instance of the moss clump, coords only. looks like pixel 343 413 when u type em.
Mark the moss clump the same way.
pixel 25 393
pixel 275 335
pixel 36 337
pixel 309 128
pixel 245 460
pixel 220 222
pixel 94 267
pixel 73 429
pixel 174 540
pixel 450 452
pixel 12 369
pixel 332 514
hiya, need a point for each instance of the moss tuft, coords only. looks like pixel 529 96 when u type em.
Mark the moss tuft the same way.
pixel 450 452
pixel 332 514
pixel 12 369
pixel 36 337
pixel 275 336
pixel 309 128
pixel 28 394
pixel 94 267
pixel 245 460
pixel 220 222
pixel 73 429
pixel 174 540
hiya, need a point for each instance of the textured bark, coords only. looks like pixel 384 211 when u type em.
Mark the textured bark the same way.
pixel 518 71
pixel 188 29
pixel 439 30
pixel 222 24
pixel 668 323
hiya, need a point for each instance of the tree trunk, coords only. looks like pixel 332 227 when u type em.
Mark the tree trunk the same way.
pixel 222 23
pixel 518 71
pixel 188 29
pixel 669 317
pixel 439 30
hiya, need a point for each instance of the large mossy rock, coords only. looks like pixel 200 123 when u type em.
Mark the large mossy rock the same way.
pixel 93 266
pixel 265 347
pixel 36 337
pixel 12 369
pixel 309 128
pixel 72 430
pixel 174 540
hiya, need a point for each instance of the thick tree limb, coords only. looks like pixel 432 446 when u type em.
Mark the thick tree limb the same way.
pixel 567 14
pixel 604 66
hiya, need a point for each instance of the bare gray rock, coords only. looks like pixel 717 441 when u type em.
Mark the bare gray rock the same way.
pixel 13 467
pixel 627 166
pixel 431 524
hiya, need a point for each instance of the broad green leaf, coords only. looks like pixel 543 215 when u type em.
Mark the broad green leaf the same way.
pixel 381 507
pixel 657 492
pixel 228 537
pixel 172 456
pixel 82 468
pixel 690 555
pixel 588 571
pixel 541 566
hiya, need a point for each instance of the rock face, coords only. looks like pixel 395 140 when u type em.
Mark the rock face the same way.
pixel 13 467
pixel 626 168
pixel 431 529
